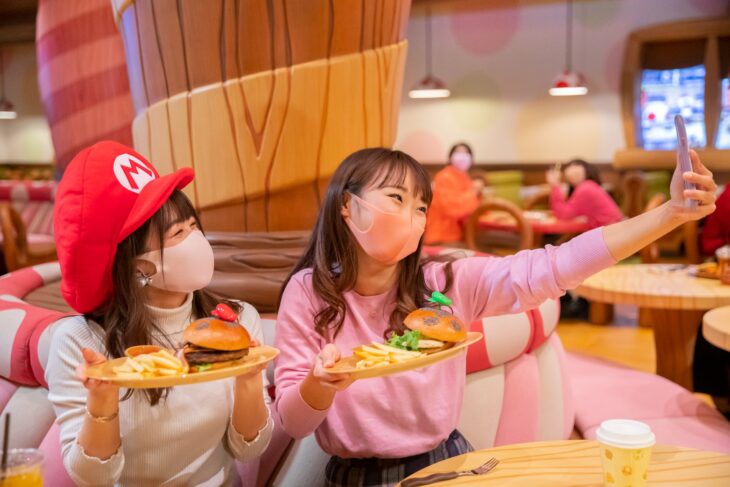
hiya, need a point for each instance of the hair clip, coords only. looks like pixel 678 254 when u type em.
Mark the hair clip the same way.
pixel 440 299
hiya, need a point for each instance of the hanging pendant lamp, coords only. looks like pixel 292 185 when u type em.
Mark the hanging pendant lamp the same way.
pixel 569 82
pixel 430 86
pixel 7 110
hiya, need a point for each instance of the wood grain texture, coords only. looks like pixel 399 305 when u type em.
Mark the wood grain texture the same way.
pixel 654 286
pixel 218 40
pixel 572 463
pixel 707 30
pixel 716 327
pixel 717 160
pixel 261 135
pixel 262 98
pixel 675 332
pixel 676 302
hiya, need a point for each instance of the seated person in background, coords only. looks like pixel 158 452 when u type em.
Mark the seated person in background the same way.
pixel 716 232
pixel 711 365
pixel 585 198
pixel 455 197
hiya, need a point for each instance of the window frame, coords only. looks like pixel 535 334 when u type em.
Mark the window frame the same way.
pixel 708 30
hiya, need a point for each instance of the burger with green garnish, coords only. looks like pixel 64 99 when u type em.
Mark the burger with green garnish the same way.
pixel 430 329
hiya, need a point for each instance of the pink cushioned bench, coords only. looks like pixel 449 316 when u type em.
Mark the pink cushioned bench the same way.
pixel 521 386
pixel 33 200
pixel 604 390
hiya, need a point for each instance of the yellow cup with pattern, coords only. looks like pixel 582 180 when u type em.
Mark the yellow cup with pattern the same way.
pixel 625 447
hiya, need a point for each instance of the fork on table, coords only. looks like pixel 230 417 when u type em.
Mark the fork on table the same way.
pixel 484 468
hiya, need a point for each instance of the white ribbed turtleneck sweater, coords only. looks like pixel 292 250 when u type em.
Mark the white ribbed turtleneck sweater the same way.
pixel 187 439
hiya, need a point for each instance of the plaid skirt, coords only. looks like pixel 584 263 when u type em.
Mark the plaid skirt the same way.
pixel 382 472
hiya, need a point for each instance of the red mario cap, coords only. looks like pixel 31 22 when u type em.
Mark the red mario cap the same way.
pixel 107 192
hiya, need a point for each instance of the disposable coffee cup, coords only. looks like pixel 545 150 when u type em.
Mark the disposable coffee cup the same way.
pixel 625 447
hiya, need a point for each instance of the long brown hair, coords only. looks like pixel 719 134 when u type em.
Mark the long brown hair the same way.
pixel 125 319
pixel 331 252
pixel 592 173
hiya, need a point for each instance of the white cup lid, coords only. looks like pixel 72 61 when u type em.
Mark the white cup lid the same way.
pixel 625 433
pixel 723 252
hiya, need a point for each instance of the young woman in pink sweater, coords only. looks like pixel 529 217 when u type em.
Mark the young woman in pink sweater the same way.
pixel 585 197
pixel 362 274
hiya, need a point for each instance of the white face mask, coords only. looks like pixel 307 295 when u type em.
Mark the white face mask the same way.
pixel 186 267
pixel 461 161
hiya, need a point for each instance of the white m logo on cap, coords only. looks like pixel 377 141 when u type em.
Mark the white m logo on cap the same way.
pixel 132 173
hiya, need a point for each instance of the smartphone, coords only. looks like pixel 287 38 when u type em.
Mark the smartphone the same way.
pixel 683 159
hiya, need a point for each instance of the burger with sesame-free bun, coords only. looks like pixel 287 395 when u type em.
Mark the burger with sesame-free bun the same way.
pixel 215 342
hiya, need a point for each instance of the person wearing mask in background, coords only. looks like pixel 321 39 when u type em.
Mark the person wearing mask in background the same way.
pixel 455 197
pixel 586 198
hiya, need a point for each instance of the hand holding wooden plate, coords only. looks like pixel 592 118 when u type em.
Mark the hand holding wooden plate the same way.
pixel 348 365
pixel 257 356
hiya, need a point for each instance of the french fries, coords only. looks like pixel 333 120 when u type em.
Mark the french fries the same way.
pixel 380 355
pixel 147 365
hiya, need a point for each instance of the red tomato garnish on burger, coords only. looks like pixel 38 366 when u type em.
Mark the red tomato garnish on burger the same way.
pixel 224 312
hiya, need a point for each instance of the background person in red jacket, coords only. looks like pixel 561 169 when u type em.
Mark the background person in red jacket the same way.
pixel 585 198
pixel 716 232
pixel 455 197
pixel 711 365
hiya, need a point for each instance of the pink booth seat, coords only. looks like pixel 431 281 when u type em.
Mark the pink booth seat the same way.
pixel 25 333
pixel 516 387
pixel 33 200
pixel 604 390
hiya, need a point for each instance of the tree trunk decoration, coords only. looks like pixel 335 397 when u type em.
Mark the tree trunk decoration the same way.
pixel 262 98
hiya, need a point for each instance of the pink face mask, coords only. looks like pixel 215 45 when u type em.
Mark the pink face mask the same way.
pixel 386 237
pixel 186 267
pixel 461 161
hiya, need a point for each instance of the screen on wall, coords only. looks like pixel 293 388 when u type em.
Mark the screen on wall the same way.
pixel 723 129
pixel 666 93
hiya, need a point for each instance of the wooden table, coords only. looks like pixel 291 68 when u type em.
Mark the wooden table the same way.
pixel 542 223
pixel 571 463
pixel 676 302
pixel 716 327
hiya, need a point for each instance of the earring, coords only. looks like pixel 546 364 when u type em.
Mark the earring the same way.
pixel 143 279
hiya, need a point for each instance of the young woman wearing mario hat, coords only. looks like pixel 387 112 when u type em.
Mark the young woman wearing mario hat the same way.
pixel 135 263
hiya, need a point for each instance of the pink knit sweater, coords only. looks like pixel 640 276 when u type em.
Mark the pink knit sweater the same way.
pixel 411 413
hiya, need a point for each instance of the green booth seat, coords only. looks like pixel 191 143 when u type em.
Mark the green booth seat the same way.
pixel 657 182
pixel 505 184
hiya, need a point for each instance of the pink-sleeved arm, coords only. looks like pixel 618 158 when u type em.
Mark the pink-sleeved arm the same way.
pixel 566 208
pixel 489 286
pixel 299 344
